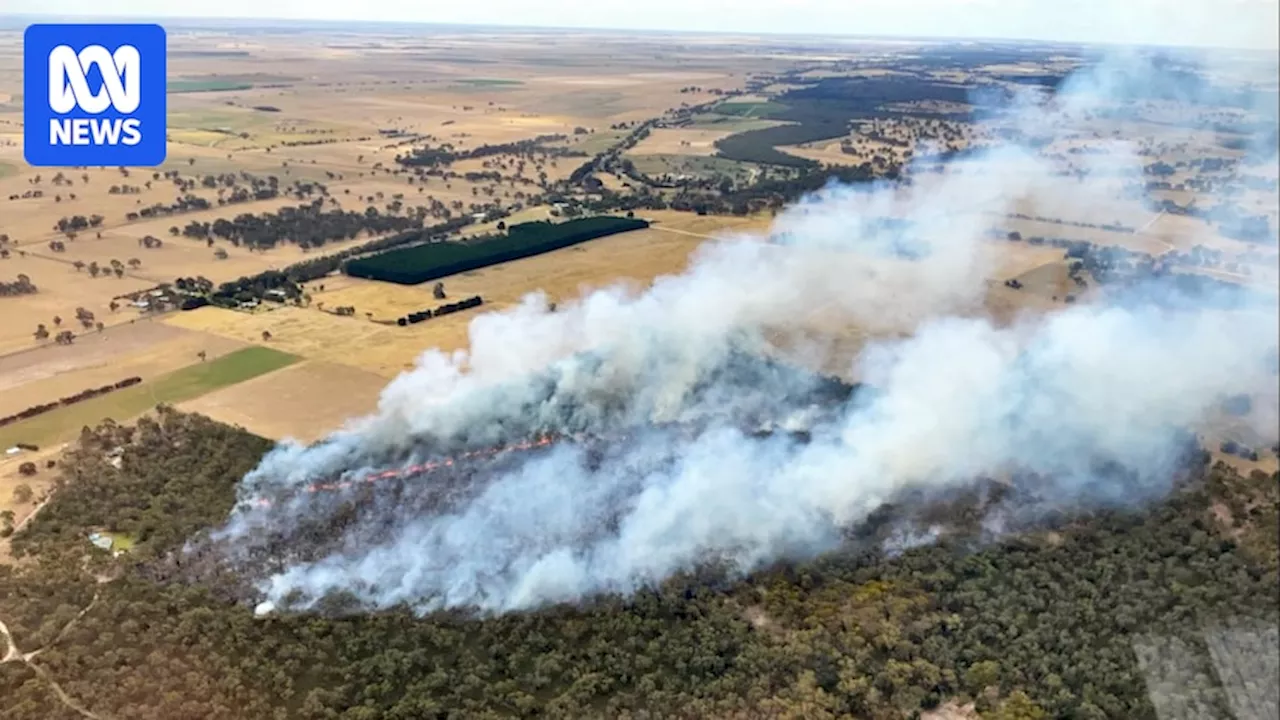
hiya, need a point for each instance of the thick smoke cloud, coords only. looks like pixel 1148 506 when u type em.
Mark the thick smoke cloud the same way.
pixel 1089 404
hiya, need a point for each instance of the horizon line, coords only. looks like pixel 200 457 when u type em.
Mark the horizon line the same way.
pixel 272 22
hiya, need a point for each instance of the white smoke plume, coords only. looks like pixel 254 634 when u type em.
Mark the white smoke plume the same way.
pixel 1090 400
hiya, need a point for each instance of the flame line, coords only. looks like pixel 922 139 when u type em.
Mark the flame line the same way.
pixel 423 468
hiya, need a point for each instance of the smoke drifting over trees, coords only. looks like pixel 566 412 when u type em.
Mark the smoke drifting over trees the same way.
pixel 1082 407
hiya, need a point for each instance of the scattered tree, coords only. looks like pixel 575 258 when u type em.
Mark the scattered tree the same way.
pixel 21 286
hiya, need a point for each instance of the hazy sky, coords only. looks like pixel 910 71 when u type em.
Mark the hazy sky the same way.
pixel 1221 23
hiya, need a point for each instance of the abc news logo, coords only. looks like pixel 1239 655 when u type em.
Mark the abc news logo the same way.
pixel 95 95
pixel 69 89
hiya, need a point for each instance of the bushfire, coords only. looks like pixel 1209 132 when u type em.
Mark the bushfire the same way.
pixel 408 471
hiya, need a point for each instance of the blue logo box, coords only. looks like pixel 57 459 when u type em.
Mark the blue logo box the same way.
pixel 94 95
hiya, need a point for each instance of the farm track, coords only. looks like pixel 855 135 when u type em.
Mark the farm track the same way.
pixel 31 515
pixel 677 231
pixel 13 655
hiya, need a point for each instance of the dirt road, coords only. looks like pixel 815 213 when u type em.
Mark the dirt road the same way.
pixel 12 654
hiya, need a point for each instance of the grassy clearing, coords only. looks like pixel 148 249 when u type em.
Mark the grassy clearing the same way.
pixel 7 169
pixel 749 109
pixel 178 386
pixel 122 542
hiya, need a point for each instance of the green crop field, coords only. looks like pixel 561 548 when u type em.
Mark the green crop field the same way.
pixel 749 109
pixel 209 53
pixel 414 265
pixel 194 86
pixel 178 386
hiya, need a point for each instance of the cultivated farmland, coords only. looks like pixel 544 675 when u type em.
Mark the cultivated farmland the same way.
pixel 411 266
pixel 175 387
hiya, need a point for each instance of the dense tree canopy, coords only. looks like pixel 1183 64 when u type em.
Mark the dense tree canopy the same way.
pixel 1034 626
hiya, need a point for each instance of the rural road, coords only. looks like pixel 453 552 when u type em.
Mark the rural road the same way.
pixel 1149 223
pixel 1169 247
pixel 17 528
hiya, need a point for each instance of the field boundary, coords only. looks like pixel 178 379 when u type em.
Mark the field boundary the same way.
pixel 82 396
pixel 181 385
pixel 423 263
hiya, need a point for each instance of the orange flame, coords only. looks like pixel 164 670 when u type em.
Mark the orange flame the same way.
pixel 422 468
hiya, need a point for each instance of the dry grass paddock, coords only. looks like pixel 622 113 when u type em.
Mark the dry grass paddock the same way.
pixel 146 349
pixel 289 89
pixel 635 258
pixel 688 141
pixel 563 275
pixel 304 402
pixel 11 480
